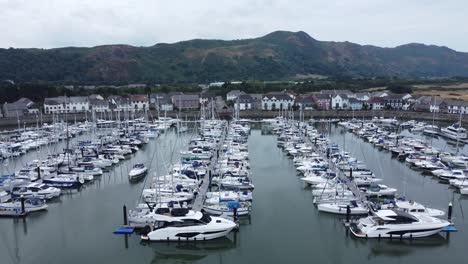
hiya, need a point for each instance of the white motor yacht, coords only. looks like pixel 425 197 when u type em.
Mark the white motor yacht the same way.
pixel 452 175
pixel 379 190
pixel 415 208
pixel 454 132
pixel 138 171
pixel 13 208
pixel 459 183
pixel 36 190
pixel 394 223
pixel 183 224
pixel 318 178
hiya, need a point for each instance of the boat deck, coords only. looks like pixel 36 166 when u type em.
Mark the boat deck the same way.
pixel 355 230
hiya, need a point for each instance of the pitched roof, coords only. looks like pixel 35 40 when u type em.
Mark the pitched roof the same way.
pixel 376 100
pixel 344 96
pixel 256 96
pixel 245 98
pixel 277 96
pixel 19 105
pixel 207 95
pixel 77 99
pixel 395 97
pixel 161 98
pixel 354 101
pixel 94 101
pixel 304 100
pixel 322 96
pixel 55 100
pixel 235 93
pixel 185 97
pixel 456 103
pixel 138 98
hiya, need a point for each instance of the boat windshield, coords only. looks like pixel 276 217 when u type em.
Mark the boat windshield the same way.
pixel 205 219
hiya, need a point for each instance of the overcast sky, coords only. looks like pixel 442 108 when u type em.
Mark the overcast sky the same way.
pixel 388 23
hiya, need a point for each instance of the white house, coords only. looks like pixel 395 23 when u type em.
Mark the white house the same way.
pixel 77 104
pixel 363 97
pixel 129 103
pixel 139 102
pixel 161 102
pixel 99 105
pixel 340 101
pixel 406 105
pixel 355 104
pixel 277 101
pixel 232 95
pixel 434 107
pixel 434 104
pixel 376 103
pixel 54 105
pixel 455 106
pixel 244 102
pixel 407 96
pixel 62 104
pixel 380 94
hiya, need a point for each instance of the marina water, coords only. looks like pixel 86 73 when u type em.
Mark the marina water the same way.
pixel 284 226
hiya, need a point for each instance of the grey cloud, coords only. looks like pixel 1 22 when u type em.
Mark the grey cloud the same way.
pixel 388 23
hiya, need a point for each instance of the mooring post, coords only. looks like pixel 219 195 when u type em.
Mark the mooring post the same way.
pixel 348 213
pixel 38 172
pixel 125 214
pixel 449 214
pixel 23 209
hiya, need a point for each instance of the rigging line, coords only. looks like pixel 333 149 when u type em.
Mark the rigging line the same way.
pixel 149 166
pixel 6 243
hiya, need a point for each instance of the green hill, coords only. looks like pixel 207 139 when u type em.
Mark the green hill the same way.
pixel 278 55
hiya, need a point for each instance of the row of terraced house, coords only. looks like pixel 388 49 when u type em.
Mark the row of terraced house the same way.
pixel 344 100
pixel 274 101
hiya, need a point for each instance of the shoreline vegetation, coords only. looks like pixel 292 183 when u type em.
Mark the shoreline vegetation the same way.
pixel 447 88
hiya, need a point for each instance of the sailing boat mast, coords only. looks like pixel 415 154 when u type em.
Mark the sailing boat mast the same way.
pixel 458 130
pixel 66 124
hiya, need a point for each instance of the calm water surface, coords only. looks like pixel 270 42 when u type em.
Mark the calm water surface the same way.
pixel 284 227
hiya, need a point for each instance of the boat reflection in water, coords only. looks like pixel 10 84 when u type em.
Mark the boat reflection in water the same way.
pixel 190 251
pixel 399 248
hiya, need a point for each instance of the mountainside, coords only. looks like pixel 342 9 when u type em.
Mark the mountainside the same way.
pixel 278 55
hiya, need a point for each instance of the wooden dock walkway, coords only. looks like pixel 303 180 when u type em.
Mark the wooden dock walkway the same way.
pixel 200 199
pixel 332 166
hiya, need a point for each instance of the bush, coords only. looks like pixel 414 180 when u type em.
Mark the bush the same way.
pixel 400 89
